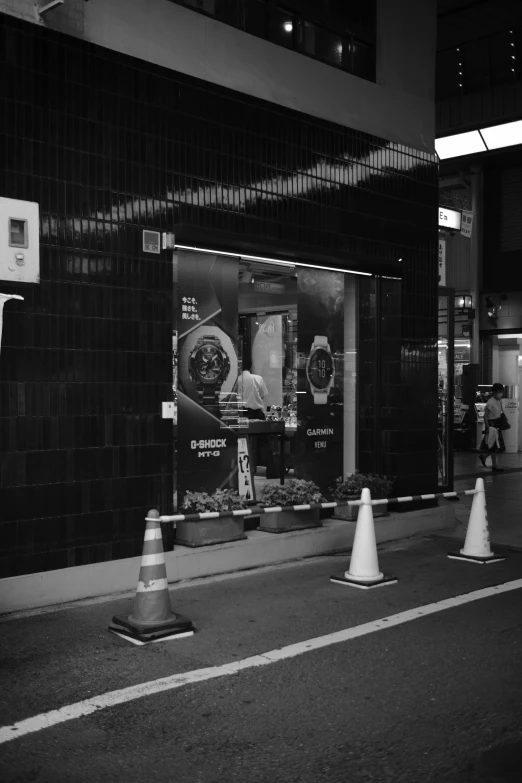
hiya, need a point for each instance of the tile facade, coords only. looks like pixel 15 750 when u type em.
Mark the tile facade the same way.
pixel 108 145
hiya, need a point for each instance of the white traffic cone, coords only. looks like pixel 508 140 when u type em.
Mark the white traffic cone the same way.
pixel 364 565
pixel 476 546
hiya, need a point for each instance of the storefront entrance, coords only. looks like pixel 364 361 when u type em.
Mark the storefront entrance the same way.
pixel 294 329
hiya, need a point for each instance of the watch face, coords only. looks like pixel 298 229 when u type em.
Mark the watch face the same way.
pixel 209 362
pixel 320 368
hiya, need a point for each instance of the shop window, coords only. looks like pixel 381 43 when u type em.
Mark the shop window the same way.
pixel 227 11
pixel 283 28
pixel 329 47
pixel 255 18
pixel 319 37
pixel 294 327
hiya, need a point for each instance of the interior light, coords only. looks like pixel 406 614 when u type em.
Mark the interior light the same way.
pixel 234 255
pixel 288 26
pixel 509 336
pixel 459 144
pixel 506 135
pixel 334 269
pixel 290 264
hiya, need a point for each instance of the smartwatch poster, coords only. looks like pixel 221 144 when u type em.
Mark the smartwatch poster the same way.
pixel 320 346
pixel 206 301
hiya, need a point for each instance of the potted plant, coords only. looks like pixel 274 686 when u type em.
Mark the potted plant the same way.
pixel 349 487
pixel 201 532
pixel 295 492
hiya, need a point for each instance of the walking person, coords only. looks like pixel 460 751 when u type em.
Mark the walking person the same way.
pixel 493 442
pixel 255 393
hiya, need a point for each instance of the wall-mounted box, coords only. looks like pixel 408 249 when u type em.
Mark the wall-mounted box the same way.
pixel 19 241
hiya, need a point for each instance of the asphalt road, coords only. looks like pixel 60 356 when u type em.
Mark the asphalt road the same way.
pixel 436 699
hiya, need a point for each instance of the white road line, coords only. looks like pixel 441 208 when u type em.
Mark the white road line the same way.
pixel 111 699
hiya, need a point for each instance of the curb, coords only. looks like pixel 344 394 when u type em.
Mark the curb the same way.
pixel 31 591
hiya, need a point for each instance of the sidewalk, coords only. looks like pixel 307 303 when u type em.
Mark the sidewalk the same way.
pixel 260 548
pixel 467 465
pixel 504 505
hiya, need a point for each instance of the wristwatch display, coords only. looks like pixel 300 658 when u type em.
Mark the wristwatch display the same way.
pixel 209 367
pixel 320 369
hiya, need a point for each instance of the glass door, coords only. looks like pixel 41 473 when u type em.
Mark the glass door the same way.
pixel 445 351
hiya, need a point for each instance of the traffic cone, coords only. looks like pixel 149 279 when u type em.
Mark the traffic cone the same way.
pixel 476 546
pixel 364 565
pixel 152 619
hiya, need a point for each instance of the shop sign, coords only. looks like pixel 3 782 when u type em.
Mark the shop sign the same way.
pixel 442 261
pixel 269 288
pixel 244 471
pixel 449 218
pixel 467 224
pixel 320 312
pixel 207 307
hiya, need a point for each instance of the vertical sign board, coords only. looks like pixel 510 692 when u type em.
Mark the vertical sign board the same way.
pixel 207 322
pixel 320 312
pixel 442 261
pixel 246 487
pixel 467 224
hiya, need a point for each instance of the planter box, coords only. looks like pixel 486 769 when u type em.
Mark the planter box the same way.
pixel 352 512
pixel 203 532
pixel 284 521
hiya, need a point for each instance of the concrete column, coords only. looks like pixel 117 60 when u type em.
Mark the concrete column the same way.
pixel 477 194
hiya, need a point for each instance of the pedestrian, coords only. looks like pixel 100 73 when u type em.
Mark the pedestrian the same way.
pixel 493 442
pixel 255 393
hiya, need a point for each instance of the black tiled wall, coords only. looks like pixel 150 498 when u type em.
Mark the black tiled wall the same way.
pixel 107 146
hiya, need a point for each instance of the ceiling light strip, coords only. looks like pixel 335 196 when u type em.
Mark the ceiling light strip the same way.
pixel 493 137
pixel 291 264
pixel 483 139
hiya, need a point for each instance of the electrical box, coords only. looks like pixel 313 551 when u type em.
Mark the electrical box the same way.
pixel 152 242
pixel 19 241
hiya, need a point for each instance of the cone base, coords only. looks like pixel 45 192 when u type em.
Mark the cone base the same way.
pixel 344 580
pixel 176 626
pixel 492 558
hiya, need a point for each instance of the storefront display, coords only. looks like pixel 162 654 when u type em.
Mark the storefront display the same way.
pixel 287 326
pixel 320 375
pixel 206 316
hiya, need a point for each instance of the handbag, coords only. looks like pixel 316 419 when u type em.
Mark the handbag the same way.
pixel 503 422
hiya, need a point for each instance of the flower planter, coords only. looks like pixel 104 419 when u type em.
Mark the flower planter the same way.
pixel 284 521
pixel 203 532
pixel 352 512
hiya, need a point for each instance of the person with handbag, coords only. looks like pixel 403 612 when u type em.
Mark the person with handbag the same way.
pixel 495 421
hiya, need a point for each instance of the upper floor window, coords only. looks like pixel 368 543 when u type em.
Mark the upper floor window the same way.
pixel 477 65
pixel 335 32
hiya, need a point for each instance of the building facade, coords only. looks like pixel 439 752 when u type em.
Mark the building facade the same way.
pixel 479 140
pixel 127 118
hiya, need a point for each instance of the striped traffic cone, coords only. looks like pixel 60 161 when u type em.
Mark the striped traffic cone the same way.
pixel 476 545
pixel 152 619
pixel 364 565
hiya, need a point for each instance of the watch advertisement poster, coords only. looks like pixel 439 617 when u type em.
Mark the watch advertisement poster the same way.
pixel 206 301
pixel 319 437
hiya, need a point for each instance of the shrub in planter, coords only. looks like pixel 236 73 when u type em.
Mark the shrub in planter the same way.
pixel 349 487
pixel 295 492
pixel 211 531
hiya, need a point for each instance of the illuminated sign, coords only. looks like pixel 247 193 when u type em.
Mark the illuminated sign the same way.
pixel 449 218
